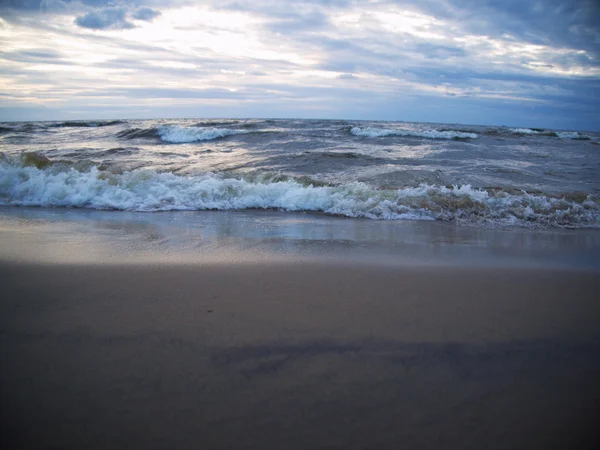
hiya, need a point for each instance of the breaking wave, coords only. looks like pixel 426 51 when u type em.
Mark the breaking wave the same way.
pixel 179 135
pixel 526 130
pixel 175 134
pixel 541 132
pixel 144 190
pixel 430 134
pixel 572 135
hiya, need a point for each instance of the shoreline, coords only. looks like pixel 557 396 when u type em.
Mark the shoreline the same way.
pixel 63 235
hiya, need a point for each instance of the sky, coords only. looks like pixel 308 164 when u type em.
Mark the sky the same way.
pixel 491 62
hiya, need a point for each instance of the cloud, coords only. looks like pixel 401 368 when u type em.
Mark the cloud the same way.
pixel 146 14
pixel 107 18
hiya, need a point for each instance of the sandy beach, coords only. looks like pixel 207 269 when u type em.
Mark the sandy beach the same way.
pixel 292 349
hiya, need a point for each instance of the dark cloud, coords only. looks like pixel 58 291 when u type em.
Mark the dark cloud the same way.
pixel 101 14
pixel 564 23
pixel 37 56
pixel 437 51
pixel 107 18
pixel 147 14
pixel 557 23
pixel 460 76
pixel 291 22
pixel 20 4
pixel 44 5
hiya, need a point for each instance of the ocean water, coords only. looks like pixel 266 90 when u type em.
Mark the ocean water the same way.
pixel 473 175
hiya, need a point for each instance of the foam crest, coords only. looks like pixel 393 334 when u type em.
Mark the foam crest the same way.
pixel 540 132
pixel 572 135
pixel 144 190
pixel 372 132
pixel 524 131
pixel 179 135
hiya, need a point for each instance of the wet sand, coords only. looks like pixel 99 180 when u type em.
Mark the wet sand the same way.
pixel 298 356
pixel 292 352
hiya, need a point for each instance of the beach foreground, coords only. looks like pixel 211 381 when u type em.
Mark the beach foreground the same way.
pixel 292 352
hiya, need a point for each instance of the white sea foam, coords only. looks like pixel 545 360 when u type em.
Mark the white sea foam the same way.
pixel 571 135
pixel 179 135
pixel 430 134
pixel 144 190
pixel 524 131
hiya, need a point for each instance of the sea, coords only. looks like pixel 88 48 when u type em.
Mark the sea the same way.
pixel 476 176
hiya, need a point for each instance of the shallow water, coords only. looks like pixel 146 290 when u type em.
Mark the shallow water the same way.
pixel 52 235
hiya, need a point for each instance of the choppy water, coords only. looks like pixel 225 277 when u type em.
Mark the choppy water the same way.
pixel 477 175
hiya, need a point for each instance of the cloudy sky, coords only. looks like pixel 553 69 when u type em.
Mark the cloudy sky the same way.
pixel 511 62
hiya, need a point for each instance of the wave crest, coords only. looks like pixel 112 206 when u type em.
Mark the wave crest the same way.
pixel 572 135
pixel 430 134
pixel 144 190
pixel 541 132
pixel 526 131
pixel 175 134
pixel 179 135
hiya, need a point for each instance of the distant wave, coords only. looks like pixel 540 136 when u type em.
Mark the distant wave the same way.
pixel 30 127
pixel 572 135
pixel 531 132
pixel 86 123
pixel 22 128
pixel 178 135
pixel 216 123
pixel 430 134
pixel 541 132
pixel 526 130
pixel 138 133
pixel 38 182
pixel 175 134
